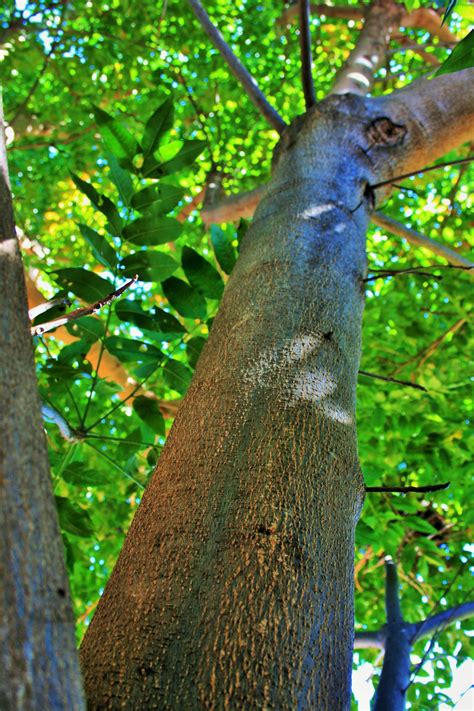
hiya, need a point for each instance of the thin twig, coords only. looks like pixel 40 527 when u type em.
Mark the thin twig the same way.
pixel 383 273
pixel 445 164
pixel 78 313
pixel 388 379
pixel 419 239
pixel 306 59
pixel 242 75
pixel 407 489
pixel 423 355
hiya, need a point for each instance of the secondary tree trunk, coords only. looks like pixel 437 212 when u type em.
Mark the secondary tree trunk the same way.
pixel 39 665
pixel 234 588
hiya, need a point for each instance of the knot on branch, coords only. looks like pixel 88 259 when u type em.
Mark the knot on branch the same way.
pixel 382 131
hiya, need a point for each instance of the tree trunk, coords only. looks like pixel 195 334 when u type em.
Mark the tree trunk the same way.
pixel 39 662
pixel 234 588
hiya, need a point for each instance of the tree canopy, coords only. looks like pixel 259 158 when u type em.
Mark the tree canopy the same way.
pixel 122 119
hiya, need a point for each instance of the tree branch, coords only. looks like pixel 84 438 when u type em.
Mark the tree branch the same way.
pixel 357 74
pixel 417 238
pixel 407 489
pixel 445 164
pixel 79 313
pixel 369 640
pixel 438 115
pixel 242 75
pixel 306 59
pixel 422 18
pixel 388 379
pixel 442 619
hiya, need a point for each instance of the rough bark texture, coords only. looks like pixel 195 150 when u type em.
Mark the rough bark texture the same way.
pixel 39 664
pixel 234 588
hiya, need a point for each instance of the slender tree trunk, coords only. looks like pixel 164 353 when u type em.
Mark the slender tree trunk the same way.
pixel 39 666
pixel 234 588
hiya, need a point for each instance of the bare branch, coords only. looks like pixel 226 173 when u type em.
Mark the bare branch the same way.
pixel 428 351
pixel 78 313
pixel 387 379
pixel 306 59
pixel 423 18
pixel 445 164
pixel 357 74
pixel 411 235
pixel 382 273
pixel 238 70
pixel 407 489
pixel 442 619
pixel 50 414
pixel 369 640
pixel 438 114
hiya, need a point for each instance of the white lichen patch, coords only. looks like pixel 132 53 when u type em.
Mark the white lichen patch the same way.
pixel 316 211
pixel 336 412
pixel 292 366
pixel 313 385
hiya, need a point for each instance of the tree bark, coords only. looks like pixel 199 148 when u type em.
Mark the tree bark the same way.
pixel 235 585
pixel 39 662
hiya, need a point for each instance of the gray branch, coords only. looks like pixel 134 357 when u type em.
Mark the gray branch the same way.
pixel 417 238
pixel 237 68
pixel 442 619
pixel 370 640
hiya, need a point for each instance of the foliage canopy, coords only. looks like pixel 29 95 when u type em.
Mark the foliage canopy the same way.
pixel 120 115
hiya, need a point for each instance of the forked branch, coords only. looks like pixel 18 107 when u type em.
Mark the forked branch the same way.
pixel 241 74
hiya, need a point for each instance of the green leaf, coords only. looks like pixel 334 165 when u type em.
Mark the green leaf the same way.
pixel 101 203
pixel 201 274
pixel 152 231
pixel 158 199
pixel 186 157
pixel 117 139
pixel 79 474
pixel 88 286
pixel 177 376
pixel 129 350
pixel 419 524
pixel 461 57
pixel 193 349
pixel 148 410
pixel 88 328
pixel 222 244
pixel 156 320
pixel 149 265
pixel 101 249
pixel 187 301
pixel 159 122
pixel 74 353
pixel 121 179
pixel 72 518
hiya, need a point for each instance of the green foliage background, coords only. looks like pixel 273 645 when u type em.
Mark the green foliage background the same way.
pixel 89 90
